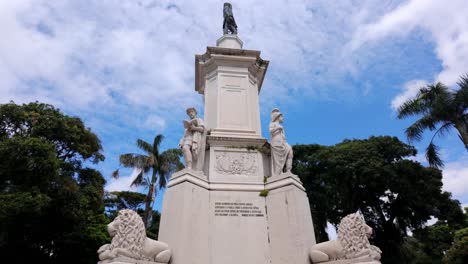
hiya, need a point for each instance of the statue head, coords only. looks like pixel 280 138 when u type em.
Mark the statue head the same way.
pixel 227 10
pixel 353 234
pixel 276 115
pixel 128 232
pixel 191 112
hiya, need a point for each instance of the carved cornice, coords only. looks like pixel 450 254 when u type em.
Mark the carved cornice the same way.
pixel 215 57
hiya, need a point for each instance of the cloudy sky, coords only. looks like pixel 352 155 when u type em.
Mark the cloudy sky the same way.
pixel 338 69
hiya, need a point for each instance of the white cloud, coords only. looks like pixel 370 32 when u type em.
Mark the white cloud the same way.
pixel 155 122
pixel 445 21
pixel 139 54
pixel 455 178
pixel 409 91
pixel 122 183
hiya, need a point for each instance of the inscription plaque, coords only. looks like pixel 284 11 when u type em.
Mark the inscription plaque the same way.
pixel 237 209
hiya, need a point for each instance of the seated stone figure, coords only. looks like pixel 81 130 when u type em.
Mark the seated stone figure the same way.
pixel 130 244
pixel 352 245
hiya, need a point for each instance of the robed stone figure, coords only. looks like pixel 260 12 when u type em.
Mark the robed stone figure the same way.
pixel 281 151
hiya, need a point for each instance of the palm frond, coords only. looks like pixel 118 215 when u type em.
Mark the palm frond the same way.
pixel 170 162
pixel 433 157
pixel 410 108
pixel 433 92
pixel 157 141
pixel 432 151
pixel 443 130
pixel 415 131
pixel 145 146
pixel 139 179
pixel 461 96
pixel 133 160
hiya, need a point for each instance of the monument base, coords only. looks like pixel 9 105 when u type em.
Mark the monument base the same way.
pixel 229 223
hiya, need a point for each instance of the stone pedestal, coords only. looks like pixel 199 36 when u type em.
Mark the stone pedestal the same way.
pixel 214 222
pixel 229 41
pixel 232 211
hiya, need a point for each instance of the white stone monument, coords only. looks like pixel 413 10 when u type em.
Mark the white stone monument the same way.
pixel 231 210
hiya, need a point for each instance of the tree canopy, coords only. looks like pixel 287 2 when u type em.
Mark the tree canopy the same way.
pixel 50 203
pixel 394 194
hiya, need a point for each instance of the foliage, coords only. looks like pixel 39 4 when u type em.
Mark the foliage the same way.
pixel 50 204
pixel 116 201
pixel 161 165
pixel 153 230
pixel 433 242
pixel 458 253
pixel 263 193
pixel 394 194
pixel 306 164
pixel 441 110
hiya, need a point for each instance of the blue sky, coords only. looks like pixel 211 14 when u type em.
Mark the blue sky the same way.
pixel 338 69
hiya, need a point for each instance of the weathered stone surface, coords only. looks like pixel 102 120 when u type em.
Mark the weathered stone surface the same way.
pixel 230 80
pixel 208 222
pixel 185 219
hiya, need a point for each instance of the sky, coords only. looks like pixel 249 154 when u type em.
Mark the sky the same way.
pixel 338 69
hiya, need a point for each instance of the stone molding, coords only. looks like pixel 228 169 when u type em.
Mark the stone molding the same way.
pixel 217 56
pixel 235 141
pixel 195 177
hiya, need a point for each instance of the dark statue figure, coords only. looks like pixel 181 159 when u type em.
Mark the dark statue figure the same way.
pixel 229 24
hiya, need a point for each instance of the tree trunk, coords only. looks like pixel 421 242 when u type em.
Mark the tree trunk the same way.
pixel 149 199
pixel 463 133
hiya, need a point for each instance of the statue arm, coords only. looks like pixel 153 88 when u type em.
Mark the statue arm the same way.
pixel 200 127
pixel 275 128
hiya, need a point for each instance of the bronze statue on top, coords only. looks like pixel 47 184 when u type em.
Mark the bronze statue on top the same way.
pixel 229 24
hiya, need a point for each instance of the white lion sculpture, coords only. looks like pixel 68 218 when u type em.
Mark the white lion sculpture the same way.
pixel 352 245
pixel 130 244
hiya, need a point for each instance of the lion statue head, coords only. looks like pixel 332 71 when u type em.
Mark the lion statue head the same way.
pixel 353 234
pixel 128 232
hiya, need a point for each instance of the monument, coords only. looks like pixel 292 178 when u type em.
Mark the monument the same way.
pixel 234 205
pixel 237 200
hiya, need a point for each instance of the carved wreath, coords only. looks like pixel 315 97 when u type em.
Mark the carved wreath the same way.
pixel 236 163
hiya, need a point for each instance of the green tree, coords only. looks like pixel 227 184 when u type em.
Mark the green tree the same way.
pixel 441 110
pixel 306 164
pixel 115 201
pixel 155 169
pixel 458 253
pixel 51 208
pixel 153 229
pixel 125 200
pixel 394 194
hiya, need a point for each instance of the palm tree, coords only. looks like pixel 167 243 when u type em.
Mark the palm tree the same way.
pixel 161 165
pixel 441 110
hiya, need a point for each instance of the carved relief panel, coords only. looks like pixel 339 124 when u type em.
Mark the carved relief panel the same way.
pixel 236 163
